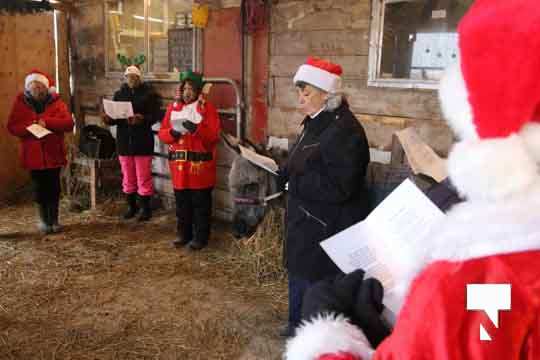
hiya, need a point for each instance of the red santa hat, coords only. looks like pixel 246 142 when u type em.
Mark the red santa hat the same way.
pixel 492 99
pixel 321 74
pixel 41 77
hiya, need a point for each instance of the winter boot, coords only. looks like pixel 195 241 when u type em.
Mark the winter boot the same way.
pixel 146 213
pixel 184 235
pixel 53 216
pixel 43 221
pixel 132 206
pixel 202 233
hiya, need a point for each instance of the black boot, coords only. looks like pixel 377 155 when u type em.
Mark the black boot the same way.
pixel 53 216
pixel 44 221
pixel 132 206
pixel 202 212
pixel 146 213
pixel 184 234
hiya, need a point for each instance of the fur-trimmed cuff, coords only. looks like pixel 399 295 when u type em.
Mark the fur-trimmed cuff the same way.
pixel 327 334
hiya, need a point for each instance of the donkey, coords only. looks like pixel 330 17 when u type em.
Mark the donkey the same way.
pixel 253 189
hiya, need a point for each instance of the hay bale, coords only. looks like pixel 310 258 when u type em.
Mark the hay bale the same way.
pixel 262 253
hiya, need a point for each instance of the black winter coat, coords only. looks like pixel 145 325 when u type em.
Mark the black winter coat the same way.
pixel 327 194
pixel 135 140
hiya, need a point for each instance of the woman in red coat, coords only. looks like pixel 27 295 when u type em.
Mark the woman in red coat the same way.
pixel 191 129
pixel 43 156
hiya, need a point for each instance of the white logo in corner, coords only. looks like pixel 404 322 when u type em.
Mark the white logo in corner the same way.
pixel 490 298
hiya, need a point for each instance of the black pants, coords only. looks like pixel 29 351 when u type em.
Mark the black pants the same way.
pixel 46 185
pixel 193 212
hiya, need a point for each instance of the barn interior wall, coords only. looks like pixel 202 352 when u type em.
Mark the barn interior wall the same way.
pixel 339 31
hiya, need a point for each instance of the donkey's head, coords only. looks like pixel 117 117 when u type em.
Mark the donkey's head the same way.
pixel 250 187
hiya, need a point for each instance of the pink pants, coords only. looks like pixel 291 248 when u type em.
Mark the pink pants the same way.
pixel 137 175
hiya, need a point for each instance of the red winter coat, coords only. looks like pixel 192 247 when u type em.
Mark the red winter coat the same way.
pixel 189 174
pixel 48 152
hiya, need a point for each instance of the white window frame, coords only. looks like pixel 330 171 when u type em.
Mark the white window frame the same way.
pixel 151 76
pixel 375 53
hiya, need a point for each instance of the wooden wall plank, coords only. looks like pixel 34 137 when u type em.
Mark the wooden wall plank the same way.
pixel 418 104
pixel 320 15
pixel 320 43
pixel 26 42
pixel 354 66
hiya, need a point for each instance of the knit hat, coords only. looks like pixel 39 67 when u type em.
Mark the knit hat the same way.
pixel 41 77
pixel 320 73
pixel 132 69
pixel 196 78
pixel 491 99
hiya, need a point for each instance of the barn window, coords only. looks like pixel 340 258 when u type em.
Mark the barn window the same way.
pixel 162 30
pixel 413 41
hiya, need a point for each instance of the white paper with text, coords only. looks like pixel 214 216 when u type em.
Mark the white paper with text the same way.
pixel 390 241
pixel 264 162
pixel 118 109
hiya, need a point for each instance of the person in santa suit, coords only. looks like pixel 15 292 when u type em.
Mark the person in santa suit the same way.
pixel 491 99
pixel 39 104
pixel 191 128
pixel 135 141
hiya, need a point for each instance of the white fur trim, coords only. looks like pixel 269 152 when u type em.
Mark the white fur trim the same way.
pixel 132 69
pixel 455 105
pixel 36 77
pixel 530 134
pixel 327 334
pixel 491 169
pixel 317 77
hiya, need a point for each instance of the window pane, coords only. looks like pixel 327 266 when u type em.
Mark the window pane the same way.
pixel 420 38
pixel 171 35
pixel 126 30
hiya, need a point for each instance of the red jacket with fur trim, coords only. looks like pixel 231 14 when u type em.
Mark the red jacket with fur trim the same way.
pixel 188 174
pixel 48 152
pixel 497 244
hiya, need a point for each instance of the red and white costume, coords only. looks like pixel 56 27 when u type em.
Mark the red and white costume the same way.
pixel 492 101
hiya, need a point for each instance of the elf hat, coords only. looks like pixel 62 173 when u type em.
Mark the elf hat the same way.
pixel 132 69
pixel 195 77
pixel 41 77
pixel 491 99
pixel 320 73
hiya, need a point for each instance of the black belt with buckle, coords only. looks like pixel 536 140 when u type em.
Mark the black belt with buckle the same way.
pixel 184 155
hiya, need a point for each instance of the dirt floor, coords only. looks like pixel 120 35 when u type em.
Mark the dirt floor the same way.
pixel 106 289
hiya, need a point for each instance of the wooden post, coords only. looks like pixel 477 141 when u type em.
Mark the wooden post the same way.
pixel 93 184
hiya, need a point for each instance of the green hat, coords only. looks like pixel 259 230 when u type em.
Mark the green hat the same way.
pixel 196 78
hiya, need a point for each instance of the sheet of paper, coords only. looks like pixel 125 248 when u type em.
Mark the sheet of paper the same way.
pixel 38 130
pixel 264 162
pixel 118 109
pixel 389 241
pixel 421 157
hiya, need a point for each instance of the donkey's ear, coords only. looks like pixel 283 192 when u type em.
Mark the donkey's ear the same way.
pixel 230 142
pixel 259 149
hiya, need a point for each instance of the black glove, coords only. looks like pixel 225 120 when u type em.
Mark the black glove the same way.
pixel 336 295
pixel 190 126
pixel 350 295
pixel 175 134
pixel 367 311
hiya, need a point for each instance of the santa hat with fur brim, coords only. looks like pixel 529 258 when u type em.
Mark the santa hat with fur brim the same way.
pixel 491 99
pixel 321 74
pixel 41 77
